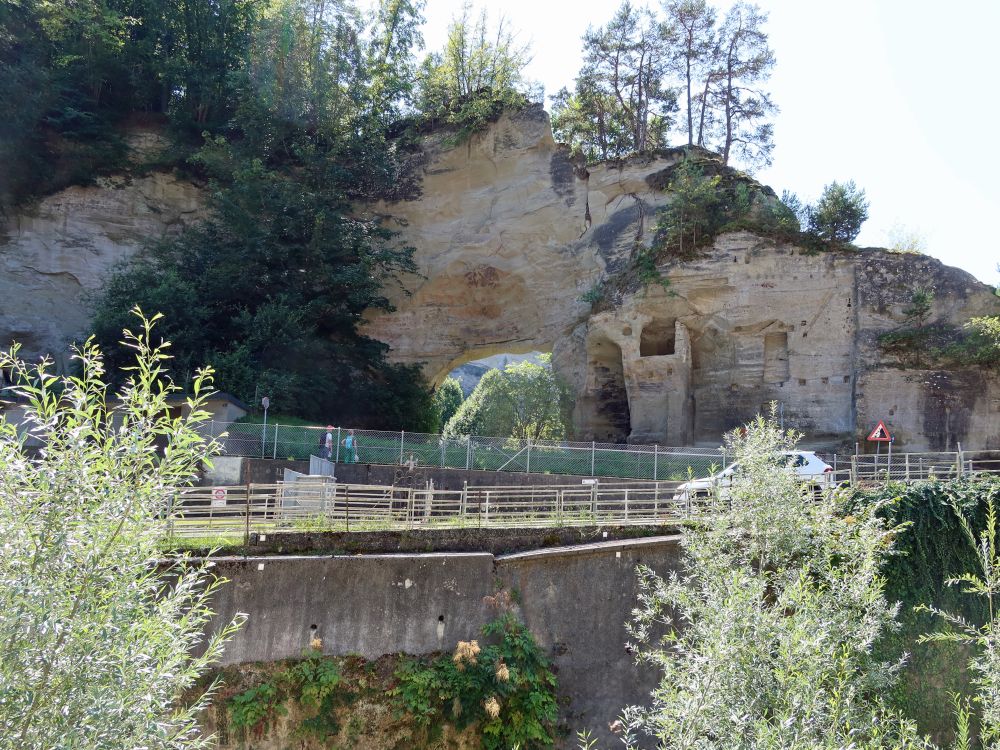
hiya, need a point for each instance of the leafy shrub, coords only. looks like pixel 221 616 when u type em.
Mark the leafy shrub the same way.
pixel 507 688
pixel 524 401
pixel 477 75
pixel 976 343
pixel 594 295
pixel 100 634
pixel 313 682
pixel 255 707
pixel 768 631
pixel 447 398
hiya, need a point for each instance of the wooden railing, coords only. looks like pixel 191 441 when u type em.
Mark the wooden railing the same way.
pixel 316 503
pixel 313 504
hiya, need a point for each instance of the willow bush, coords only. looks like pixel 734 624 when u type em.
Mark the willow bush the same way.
pixel 765 638
pixel 99 636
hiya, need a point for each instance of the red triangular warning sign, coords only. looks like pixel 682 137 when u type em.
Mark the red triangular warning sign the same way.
pixel 880 434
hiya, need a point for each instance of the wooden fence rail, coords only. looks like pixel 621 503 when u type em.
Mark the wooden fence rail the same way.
pixel 313 503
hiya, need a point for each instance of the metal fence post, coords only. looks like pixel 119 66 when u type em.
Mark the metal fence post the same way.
pixel 593 452
pixel 337 459
pixel 409 509
pixel 958 457
pixel 401 435
pixel 275 454
pixel 246 530
pixel 527 466
pixel 656 462
pixel 468 452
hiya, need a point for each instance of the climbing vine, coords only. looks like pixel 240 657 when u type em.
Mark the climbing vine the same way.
pixel 931 548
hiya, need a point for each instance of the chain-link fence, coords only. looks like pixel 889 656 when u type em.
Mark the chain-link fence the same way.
pixel 652 462
pixel 646 462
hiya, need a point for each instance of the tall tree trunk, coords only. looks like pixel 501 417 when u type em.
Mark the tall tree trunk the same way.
pixel 690 120
pixel 704 107
pixel 729 118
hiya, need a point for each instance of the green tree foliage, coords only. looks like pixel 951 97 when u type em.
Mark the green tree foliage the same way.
pixel 621 104
pixel 919 309
pixel 983 341
pixel 80 69
pixel 98 633
pixel 798 210
pixel 447 398
pixel 693 213
pixel 691 33
pixel 392 66
pixel 272 287
pixel 479 72
pixel 507 688
pixel 626 94
pixel 734 97
pixel 839 213
pixel 767 634
pixel 524 401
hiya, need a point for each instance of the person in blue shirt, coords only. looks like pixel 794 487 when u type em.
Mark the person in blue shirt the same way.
pixel 350 444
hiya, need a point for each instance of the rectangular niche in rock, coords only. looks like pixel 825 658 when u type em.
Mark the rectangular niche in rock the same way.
pixel 657 339
pixel 776 357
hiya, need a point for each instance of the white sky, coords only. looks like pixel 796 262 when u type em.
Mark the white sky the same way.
pixel 898 95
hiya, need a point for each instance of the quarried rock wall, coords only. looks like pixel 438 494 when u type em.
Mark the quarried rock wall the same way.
pixel 55 253
pixel 510 234
pixel 512 238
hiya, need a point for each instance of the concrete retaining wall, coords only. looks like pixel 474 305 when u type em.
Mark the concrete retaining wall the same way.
pixel 369 605
pixel 574 599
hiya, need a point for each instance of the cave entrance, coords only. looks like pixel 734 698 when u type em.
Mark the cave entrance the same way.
pixel 658 339
pixel 611 421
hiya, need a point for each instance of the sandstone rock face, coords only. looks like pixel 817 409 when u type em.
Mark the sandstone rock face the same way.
pixel 54 254
pixel 763 322
pixel 509 233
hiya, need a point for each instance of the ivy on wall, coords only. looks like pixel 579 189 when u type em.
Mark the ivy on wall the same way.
pixel 930 548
